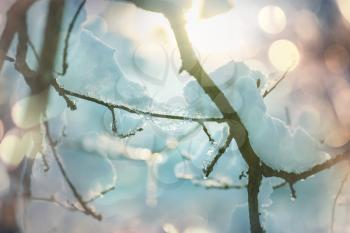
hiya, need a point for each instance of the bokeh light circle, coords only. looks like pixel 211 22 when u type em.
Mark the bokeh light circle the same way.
pixel 284 55
pixel 272 19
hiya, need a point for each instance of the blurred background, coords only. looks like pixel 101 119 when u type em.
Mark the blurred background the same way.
pixel 129 56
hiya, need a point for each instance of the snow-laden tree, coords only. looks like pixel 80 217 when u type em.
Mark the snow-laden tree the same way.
pixel 219 127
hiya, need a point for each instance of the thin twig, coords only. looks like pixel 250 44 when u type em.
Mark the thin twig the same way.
pixel 212 183
pixel 206 131
pixel 101 194
pixel 280 185
pixel 132 133
pixel 66 40
pixel 45 162
pixel 208 169
pixel 292 191
pixel 114 121
pixel 35 52
pixel 65 93
pixel 17 11
pixel 342 184
pixel 79 198
pixel 267 92
pixel 293 177
pixel 53 200
pixel 10 59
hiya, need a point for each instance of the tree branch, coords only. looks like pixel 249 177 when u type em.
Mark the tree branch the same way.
pixel 208 169
pixel 191 64
pixel 86 209
pixel 267 92
pixel 66 40
pixel 17 11
pixel 342 184
pixel 292 177
pixel 206 131
pixel 65 93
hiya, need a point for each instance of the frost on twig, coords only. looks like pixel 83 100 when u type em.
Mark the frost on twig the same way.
pixel 209 168
pixel 216 183
pixel 206 131
pixel 258 158
pixel 81 203
pixel 267 92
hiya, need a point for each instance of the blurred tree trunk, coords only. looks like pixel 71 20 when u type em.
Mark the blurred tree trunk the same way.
pixel 39 82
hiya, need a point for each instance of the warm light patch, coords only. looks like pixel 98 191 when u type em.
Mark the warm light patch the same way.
pixel 169 228
pixel 27 112
pixel 337 137
pixel 194 13
pixel 341 98
pixel 337 59
pixel 284 55
pixel 13 148
pixel 344 7
pixel 172 143
pixel 272 19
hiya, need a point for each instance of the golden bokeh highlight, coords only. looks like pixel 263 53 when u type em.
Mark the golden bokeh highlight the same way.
pixel 13 150
pixel 169 228
pixel 194 13
pixel 284 55
pixel 14 147
pixel 344 7
pixel 30 111
pixel 272 19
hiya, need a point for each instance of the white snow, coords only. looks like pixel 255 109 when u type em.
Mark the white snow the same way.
pixel 282 147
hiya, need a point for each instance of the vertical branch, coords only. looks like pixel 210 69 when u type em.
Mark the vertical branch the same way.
pixel 66 40
pixel 50 45
pixel 16 12
pixel 254 182
pixel 82 203
pixel 47 60
pixel 237 130
pixel 114 121
pixel 342 184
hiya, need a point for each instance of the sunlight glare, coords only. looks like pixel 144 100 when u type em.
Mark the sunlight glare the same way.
pixel 12 150
pixel 344 6
pixel 193 14
pixel 28 112
pixel 284 55
pixel 169 228
pixel 272 19
pixel 15 146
